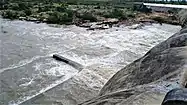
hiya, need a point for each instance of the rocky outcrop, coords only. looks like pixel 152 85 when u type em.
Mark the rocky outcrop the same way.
pixel 148 79
pixel 176 96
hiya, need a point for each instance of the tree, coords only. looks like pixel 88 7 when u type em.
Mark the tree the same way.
pixel 28 12
pixel 60 18
pixel 22 6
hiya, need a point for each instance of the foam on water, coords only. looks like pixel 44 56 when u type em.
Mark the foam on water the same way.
pixel 22 63
pixel 22 100
pixel 115 48
pixel 62 71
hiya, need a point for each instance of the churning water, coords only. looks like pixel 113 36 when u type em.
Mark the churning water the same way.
pixel 28 71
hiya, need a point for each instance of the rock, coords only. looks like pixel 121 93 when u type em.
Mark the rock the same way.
pixel 3 31
pixel 143 81
pixel 144 8
pixel 109 21
pixel 147 21
pixel 32 19
pixel 135 96
pixel 176 97
pixel 93 26
pixel 22 18
pixel 98 27
pixel 85 25
pixel 44 20
pixel 137 26
pixel 37 22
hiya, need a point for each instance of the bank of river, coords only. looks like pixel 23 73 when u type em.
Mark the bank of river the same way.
pixel 27 67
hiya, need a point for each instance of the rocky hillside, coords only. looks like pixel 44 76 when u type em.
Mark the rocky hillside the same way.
pixel 148 79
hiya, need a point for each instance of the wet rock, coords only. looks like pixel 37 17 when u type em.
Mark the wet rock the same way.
pixel 109 21
pixel 147 21
pixel 176 97
pixel 137 26
pixel 2 30
pixel 144 8
pixel 98 27
pixel 85 25
pixel 22 18
pixel 32 19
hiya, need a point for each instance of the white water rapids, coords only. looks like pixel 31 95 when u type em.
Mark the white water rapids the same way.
pixel 30 76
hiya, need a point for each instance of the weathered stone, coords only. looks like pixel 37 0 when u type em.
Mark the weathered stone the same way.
pixel 137 26
pixel 176 97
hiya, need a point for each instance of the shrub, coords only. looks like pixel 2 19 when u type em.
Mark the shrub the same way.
pixel 130 14
pixel 116 13
pixel 4 6
pixel 44 8
pixel 19 6
pixel 72 2
pixel 28 12
pixel 60 18
pixel 69 12
pixel 23 6
pixel 61 8
pixel 14 6
pixel 11 14
pixel 159 19
pixel 88 16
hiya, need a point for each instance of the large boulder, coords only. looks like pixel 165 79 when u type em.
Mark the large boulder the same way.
pixel 148 79
pixel 176 96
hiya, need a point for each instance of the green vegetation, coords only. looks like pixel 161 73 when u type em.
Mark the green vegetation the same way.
pixel 57 13
pixel 60 18
pixel 87 16
pixel 121 14
pixel 12 14
pixel 61 12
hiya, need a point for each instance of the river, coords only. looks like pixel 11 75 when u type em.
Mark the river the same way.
pixel 30 76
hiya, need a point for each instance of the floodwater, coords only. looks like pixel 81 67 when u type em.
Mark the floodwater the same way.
pixel 28 71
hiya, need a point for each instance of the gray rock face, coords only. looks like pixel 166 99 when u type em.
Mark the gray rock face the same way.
pixel 143 81
pixel 176 96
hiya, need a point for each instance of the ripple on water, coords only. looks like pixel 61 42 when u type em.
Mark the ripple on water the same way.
pixel 34 72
